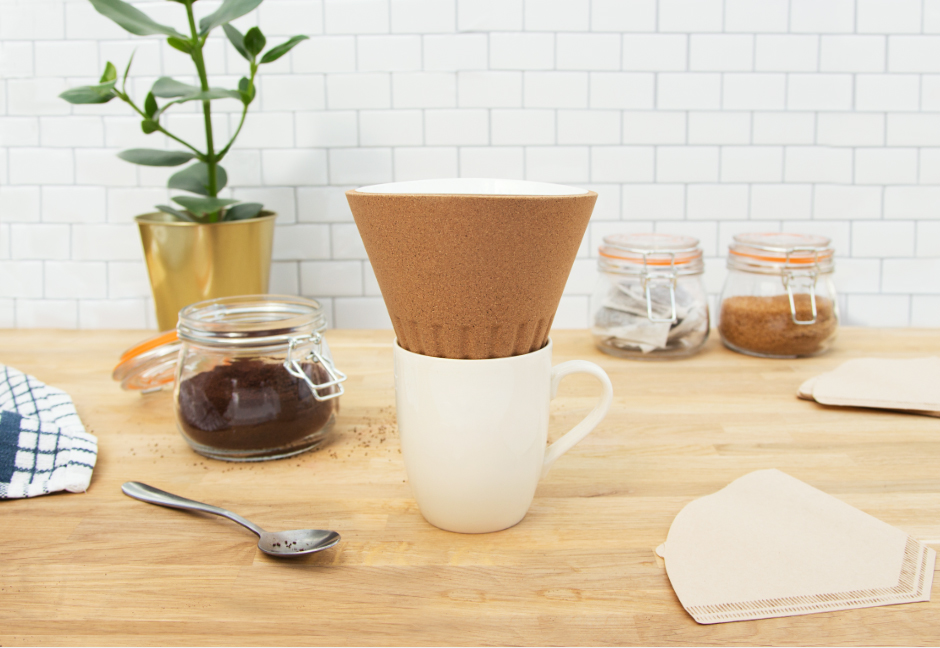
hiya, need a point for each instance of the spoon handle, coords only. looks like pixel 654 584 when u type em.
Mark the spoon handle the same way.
pixel 152 495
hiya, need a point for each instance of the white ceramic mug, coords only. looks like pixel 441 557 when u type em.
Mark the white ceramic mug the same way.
pixel 474 432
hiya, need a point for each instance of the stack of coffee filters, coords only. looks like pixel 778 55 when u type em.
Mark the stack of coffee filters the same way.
pixel 471 268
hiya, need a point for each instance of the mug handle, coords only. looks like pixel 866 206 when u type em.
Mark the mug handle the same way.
pixel 589 422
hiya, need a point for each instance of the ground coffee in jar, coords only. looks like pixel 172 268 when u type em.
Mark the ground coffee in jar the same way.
pixel 254 404
pixel 778 300
pixel 255 378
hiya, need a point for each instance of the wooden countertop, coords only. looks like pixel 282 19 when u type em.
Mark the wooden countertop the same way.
pixel 101 568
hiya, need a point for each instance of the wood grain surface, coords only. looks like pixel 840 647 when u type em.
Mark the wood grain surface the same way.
pixel 100 568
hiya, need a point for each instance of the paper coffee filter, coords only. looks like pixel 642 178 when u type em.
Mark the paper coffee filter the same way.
pixel 769 545
pixel 805 390
pixel 909 385
pixel 471 276
pixel 912 383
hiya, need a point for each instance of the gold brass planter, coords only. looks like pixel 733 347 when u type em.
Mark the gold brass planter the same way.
pixel 190 262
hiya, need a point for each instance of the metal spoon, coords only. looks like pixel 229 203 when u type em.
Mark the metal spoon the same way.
pixel 281 544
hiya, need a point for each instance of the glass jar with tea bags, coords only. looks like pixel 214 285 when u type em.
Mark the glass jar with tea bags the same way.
pixel 650 300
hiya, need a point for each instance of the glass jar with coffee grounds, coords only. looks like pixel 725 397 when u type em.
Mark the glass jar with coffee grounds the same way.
pixel 650 301
pixel 255 378
pixel 779 300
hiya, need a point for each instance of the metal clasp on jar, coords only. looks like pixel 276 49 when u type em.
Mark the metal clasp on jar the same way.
pixel 665 278
pixel 293 366
pixel 805 279
pixel 669 281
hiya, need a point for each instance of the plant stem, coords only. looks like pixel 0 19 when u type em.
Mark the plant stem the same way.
pixel 122 94
pixel 211 161
pixel 251 83
pixel 130 102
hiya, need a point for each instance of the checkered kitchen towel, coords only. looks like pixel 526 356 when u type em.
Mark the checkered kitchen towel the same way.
pixel 43 445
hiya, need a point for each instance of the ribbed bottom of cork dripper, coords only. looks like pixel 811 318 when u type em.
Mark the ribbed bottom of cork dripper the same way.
pixel 474 342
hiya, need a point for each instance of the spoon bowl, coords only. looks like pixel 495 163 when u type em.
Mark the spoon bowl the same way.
pixel 281 543
pixel 297 542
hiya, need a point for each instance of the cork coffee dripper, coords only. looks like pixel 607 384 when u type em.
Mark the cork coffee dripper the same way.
pixel 471 268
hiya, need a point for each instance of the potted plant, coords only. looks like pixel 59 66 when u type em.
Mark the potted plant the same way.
pixel 204 246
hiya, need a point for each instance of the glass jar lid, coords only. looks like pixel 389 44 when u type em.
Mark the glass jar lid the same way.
pixel 150 365
pixel 651 253
pixel 251 321
pixel 776 252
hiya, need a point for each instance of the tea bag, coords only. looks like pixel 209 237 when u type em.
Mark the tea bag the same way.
pixel 911 385
pixel 630 297
pixel 624 318
pixel 696 318
pixel 769 545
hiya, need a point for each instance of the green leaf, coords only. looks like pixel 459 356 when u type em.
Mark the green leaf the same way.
pixel 184 216
pixel 247 90
pixel 149 126
pixel 154 157
pixel 278 51
pixel 132 19
pixel 110 73
pixel 243 211
pixel 200 206
pixel 179 44
pixel 127 70
pixel 96 94
pixel 254 41
pixel 195 178
pixel 150 105
pixel 230 10
pixel 237 40
pixel 208 95
pixel 167 88
pixel 211 93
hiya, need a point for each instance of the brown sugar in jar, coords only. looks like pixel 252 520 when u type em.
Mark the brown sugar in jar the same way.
pixel 764 325
pixel 778 299
pixel 255 379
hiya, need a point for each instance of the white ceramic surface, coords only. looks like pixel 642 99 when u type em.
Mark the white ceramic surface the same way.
pixel 473 433
pixel 474 186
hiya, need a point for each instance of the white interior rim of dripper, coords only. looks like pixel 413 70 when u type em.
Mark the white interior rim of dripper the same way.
pixel 474 186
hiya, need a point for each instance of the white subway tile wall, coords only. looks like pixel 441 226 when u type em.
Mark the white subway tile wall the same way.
pixel 701 117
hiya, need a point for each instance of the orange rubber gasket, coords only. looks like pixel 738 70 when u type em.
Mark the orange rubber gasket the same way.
pixel 783 258
pixel 148 345
pixel 638 259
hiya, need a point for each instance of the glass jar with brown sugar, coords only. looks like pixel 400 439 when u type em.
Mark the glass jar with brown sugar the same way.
pixel 255 378
pixel 779 300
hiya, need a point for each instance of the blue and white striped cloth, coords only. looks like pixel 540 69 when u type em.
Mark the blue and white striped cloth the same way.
pixel 43 445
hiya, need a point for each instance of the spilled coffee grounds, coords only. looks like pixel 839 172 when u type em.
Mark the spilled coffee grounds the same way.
pixel 253 405
pixel 764 325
